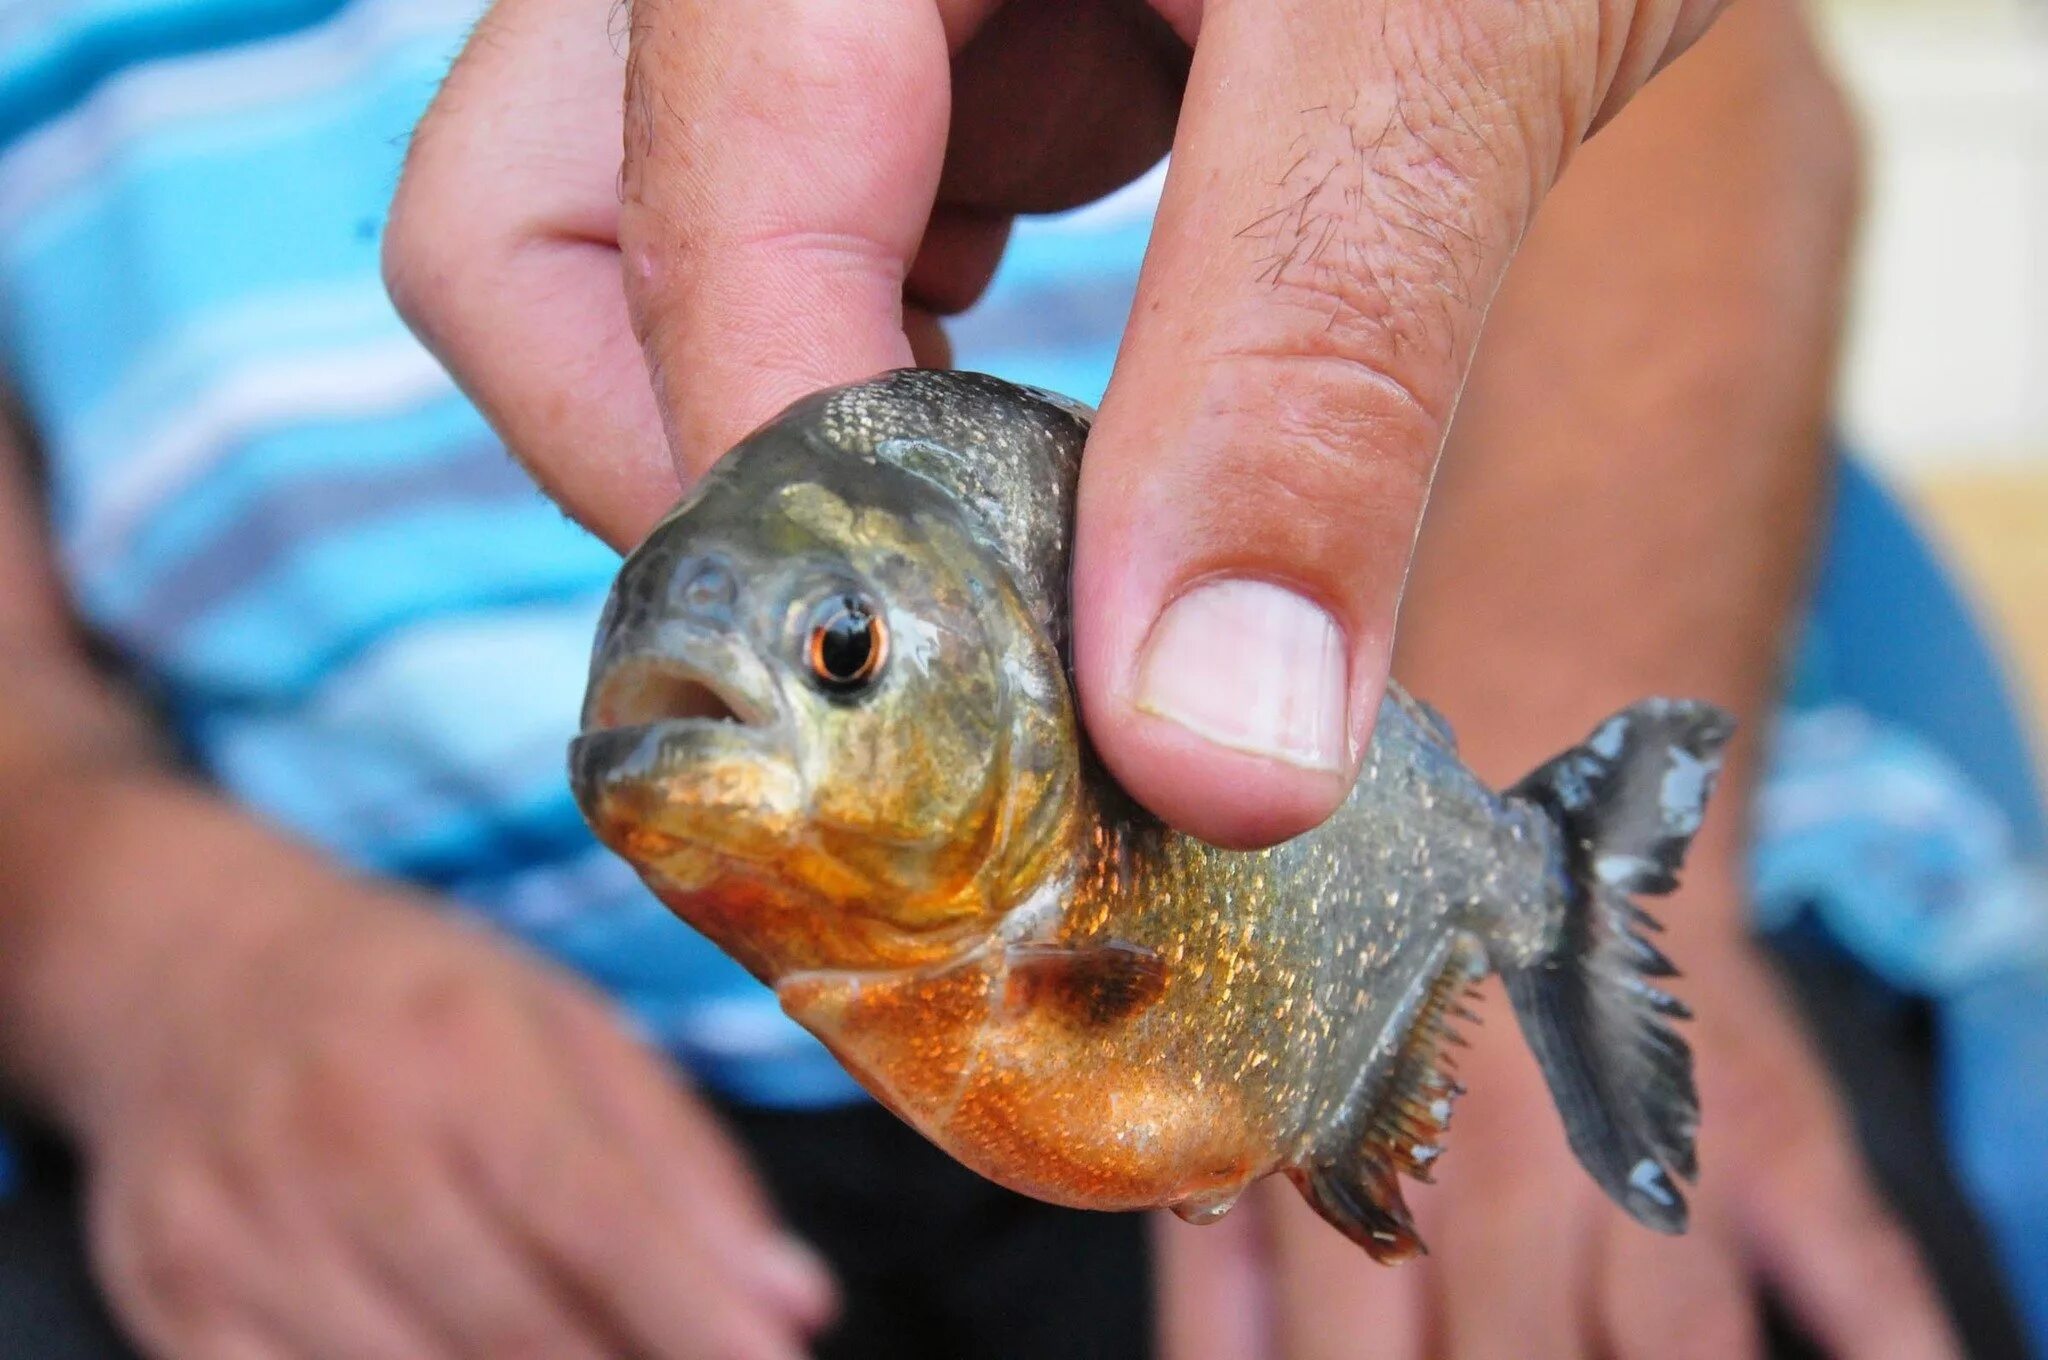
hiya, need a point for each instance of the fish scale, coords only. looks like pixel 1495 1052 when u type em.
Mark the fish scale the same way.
pixel 941 881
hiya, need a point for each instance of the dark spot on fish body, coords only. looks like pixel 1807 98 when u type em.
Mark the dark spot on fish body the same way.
pixel 1094 986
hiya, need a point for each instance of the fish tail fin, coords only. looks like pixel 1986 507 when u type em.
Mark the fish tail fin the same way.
pixel 1627 803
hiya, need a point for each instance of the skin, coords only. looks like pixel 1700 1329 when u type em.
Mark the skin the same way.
pixel 341 1126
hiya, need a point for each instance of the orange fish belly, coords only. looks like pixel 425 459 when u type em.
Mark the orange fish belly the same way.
pixel 1057 1111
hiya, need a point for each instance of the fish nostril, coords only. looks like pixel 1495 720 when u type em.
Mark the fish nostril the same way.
pixel 705 588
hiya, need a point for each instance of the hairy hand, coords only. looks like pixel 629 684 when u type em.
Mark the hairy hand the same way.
pixel 807 184
pixel 381 1134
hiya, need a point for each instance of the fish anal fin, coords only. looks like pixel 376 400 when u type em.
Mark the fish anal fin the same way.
pixel 1097 984
pixel 1413 1112
pixel 1401 1133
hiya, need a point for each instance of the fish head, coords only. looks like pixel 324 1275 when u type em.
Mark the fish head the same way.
pixel 822 723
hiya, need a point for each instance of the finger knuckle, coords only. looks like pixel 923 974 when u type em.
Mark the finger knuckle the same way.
pixel 1339 425
pixel 588 1212
pixel 455 1021
pixel 407 234
pixel 577 1200
pixel 1377 287
pixel 1339 468
pixel 1377 251
pixel 411 280
pixel 426 252
pixel 420 277
pixel 339 1113
pixel 163 1250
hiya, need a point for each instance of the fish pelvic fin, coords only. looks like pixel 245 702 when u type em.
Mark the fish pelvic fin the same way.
pixel 1626 804
pixel 1358 1189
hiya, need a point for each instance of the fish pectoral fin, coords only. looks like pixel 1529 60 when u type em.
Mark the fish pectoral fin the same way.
pixel 1095 985
pixel 1357 1188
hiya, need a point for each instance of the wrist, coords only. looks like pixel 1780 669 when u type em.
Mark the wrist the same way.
pixel 135 898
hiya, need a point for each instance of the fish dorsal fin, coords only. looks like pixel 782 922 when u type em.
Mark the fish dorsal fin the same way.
pixel 1359 1189
pixel 1093 985
pixel 1424 714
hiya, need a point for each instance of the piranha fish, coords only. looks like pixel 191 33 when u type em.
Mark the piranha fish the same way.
pixel 830 723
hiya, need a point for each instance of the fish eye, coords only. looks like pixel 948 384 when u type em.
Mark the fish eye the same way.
pixel 847 643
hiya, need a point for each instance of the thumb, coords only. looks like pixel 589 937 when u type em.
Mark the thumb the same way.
pixel 1349 183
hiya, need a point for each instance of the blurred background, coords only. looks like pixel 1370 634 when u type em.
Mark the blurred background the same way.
pixel 1947 383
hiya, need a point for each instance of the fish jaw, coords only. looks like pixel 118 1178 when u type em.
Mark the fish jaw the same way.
pixel 712 817
pixel 687 754
pixel 682 798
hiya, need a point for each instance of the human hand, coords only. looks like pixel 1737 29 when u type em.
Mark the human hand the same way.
pixel 1527 1259
pixel 807 184
pixel 377 1133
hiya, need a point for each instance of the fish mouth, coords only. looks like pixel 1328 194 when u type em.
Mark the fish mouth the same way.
pixel 683 748
pixel 669 692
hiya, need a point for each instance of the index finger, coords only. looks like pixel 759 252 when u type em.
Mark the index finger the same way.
pixel 781 162
pixel 778 164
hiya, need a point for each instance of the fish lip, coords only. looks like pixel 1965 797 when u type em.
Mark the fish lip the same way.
pixel 658 702
pixel 668 692
pixel 614 770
